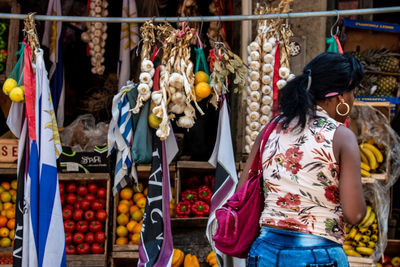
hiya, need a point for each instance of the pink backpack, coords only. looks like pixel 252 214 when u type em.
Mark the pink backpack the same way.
pixel 238 218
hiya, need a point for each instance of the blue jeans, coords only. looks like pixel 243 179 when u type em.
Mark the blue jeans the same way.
pixel 282 248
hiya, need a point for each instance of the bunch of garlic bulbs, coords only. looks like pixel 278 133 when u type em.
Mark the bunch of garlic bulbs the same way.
pixel 96 35
pixel 146 65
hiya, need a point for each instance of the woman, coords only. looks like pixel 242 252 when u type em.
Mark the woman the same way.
pixel 311 169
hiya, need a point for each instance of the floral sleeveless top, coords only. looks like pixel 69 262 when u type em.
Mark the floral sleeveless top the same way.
pixel 301 179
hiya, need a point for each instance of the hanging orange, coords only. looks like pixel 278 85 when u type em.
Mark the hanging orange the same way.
pixel 201 76
pixel 203 90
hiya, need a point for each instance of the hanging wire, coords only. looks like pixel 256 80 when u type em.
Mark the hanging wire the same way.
pixel 330 13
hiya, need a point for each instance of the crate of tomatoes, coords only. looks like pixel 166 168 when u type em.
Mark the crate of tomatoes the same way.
pixel 85 209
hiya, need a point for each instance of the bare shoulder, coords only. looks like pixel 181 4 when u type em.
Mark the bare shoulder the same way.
pixel 344 135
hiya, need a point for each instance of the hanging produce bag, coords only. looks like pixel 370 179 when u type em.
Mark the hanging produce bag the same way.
pixel 142 143
pixel 13 86
pixel 201 62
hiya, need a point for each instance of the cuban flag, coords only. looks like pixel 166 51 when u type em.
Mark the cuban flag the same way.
pixel 43 235
pixel 53 39
pixel 129 39
pixel 226 179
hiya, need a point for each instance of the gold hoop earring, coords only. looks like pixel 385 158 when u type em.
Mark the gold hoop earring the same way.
pixel 347 106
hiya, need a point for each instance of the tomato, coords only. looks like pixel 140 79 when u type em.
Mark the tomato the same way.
pixel 97 205
pixel 69 226
pixel 71 187
pixel 89 215
pixel 70 250
pixel 95 226
pixel 71 198
pixel 91 197
pixel 97 249
pixel 61 187
pixel 68 238
pixel 77 205
pixel 101 215
pixel 102 192
pixel 84 204
pixel 81 190
pixel 100 237
pixel 83 248
pixel 78 238
pixel 68 207
pixel 67 214
pixel 82 226
pixel 77 215
pixel 89 238
pixel 62 200
pixel 92 188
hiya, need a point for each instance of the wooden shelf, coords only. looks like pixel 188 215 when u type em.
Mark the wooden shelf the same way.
pixel 83 176
pixel 87 260
pixel 383 73
pixel 195 165
pixel 374 177
pixel 393 247
pixel 360 261
pixel 6 170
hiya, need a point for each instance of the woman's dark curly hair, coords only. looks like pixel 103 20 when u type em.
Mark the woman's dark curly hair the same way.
pixel 326 73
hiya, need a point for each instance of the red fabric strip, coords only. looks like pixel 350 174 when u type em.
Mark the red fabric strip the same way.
pixel 29 85
pixel 276 78
pixel 339 46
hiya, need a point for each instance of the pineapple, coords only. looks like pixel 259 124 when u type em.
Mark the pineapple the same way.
pixel 389 64
pixel 387 86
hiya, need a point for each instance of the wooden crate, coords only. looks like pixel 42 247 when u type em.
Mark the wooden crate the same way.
pixel 92 260
pixel 384 108
pixel 10 6
pixel 6 252
pixel 360 262
pixel 8 152
pixel 130 251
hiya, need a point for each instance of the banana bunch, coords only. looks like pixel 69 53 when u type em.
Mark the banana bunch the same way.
pixel 361 239
pixel 371 158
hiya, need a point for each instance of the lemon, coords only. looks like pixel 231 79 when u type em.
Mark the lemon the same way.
pixel 17 94
pixel 200 76
pixel 154 121
pixel 8 85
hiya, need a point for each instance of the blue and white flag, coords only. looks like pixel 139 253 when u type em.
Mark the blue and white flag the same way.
pixel 226 179
pixel 53 39
pixel 128 41
pixel 44 238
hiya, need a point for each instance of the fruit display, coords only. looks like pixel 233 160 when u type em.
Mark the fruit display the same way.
pixel 361 239
pixel 130 210
pixel 375 84
pixel 8 197
pixel 85 217
pixel 267 53
pixel 387 261
pixel 13 91
pixel 201 86
pixel 371 158
pixel 3 46
pixel 96 35
pixel 6 259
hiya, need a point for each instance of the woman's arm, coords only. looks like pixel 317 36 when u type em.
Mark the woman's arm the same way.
pixel 347 153
pixel 245 172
